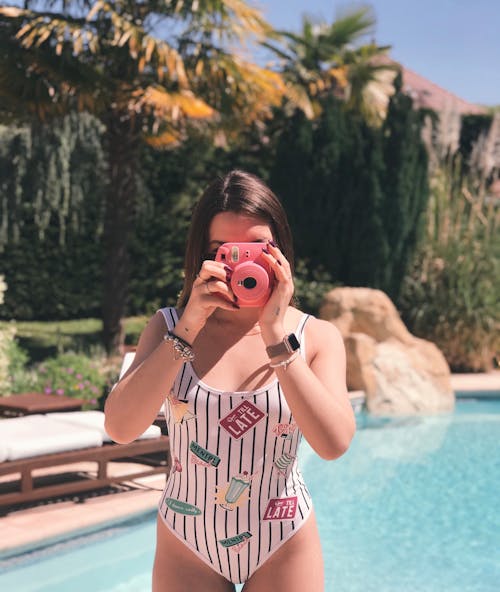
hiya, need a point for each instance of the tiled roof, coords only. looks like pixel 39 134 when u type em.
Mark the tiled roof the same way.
pixel 429 95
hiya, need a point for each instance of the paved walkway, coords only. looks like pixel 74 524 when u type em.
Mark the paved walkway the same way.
pixel 30 525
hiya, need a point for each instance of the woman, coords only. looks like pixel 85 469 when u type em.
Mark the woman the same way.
pixel 240 386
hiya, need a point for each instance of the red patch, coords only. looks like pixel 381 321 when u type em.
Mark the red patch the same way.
pixel 281 508
pixel 241 419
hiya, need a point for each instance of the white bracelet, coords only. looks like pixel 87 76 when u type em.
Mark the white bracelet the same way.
pixel 285 363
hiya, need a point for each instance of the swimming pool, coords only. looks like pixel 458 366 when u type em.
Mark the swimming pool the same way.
pixel 410 508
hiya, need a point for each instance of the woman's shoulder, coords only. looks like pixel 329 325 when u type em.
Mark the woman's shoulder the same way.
pixel 313 323
pixel 318 331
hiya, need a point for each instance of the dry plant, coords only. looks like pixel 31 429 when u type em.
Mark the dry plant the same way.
pixel 451 296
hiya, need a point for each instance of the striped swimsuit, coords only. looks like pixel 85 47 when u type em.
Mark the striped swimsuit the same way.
pixel 234 494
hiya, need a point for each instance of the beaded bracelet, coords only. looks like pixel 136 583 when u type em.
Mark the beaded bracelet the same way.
pixel 285 362
pixel 183 348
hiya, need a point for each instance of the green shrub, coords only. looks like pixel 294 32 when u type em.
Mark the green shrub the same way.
pixel 22 378
pixel 74 375
pixel 6 337
pixel 311 284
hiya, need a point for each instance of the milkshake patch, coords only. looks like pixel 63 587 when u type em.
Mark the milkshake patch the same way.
pixel 234 493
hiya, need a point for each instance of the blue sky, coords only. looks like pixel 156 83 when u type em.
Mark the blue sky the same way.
pixel 454 43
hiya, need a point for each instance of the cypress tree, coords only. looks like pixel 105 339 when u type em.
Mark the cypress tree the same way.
pixel 51 200
pixel 291 179
pixel 349 163
pixel 405 186
pixel 328 174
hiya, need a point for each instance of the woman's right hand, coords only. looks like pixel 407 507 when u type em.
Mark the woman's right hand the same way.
pixel 210 290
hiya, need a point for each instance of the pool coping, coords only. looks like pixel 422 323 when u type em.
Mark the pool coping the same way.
pixel 80 533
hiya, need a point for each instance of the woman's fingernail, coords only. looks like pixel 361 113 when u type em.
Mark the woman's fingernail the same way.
pixel 278 262
pixel 227 268
pixel 272 243
pixel 228 276
pixel 235 305
pixel 266 251
pixel 235 298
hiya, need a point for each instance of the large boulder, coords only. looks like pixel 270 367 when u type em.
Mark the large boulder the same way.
pixel 399 373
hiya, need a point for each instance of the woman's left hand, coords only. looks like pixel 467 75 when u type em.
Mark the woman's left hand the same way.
pixel 273 313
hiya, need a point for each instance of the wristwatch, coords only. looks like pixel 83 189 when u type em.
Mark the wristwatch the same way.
pixel 289 344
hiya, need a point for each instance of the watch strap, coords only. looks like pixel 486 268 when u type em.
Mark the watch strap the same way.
pixel 289 344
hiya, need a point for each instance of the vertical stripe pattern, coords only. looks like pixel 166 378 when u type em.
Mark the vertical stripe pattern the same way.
pixel 234 493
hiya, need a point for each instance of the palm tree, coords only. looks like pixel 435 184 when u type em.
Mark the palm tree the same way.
pixel 143 68
pixel 331 59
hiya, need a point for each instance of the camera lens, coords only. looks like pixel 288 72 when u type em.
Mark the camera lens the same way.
pixel 249 283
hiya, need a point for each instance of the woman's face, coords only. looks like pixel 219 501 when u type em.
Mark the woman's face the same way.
pixel 228 227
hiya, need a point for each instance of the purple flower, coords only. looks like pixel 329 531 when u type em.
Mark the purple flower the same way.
pixel 81 386
pixel 69 370
pixel 47 390
pixel 93 401
pixel 60 391
pixel 94 390
pixel 79 376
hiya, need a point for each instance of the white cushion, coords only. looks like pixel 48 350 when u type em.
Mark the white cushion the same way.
pixel 4 453
pixel 128 358
pixel 95 420
pixel 34 435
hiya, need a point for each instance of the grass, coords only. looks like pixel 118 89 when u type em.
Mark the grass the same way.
pixel 43 339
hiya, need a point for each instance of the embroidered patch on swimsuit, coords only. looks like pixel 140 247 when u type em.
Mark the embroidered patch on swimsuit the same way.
pixel 241 419
pixel 283 463
pixel 179 409
pixel 182 507
pixel 237 542
pixel 285 430
pixel 235 493
pixel 203 457
pixel 281 508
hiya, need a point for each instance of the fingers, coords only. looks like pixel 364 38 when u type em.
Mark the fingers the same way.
pixel 212 285
pixel 213 269
pixel 278 263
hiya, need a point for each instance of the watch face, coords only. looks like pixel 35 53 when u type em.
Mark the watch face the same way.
pixel 293 341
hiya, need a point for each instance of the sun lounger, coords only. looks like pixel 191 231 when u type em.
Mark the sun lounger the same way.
pixel 47 441
pixel 94 420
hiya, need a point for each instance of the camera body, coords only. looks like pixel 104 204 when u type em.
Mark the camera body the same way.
pixel 252 278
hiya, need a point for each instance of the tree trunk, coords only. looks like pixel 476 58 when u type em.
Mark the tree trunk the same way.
pixel 122 145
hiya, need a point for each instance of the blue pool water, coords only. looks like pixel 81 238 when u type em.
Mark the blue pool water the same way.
pixel 411 507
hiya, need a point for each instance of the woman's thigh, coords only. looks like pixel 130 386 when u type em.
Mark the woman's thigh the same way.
pixel 178 569
pixel 295 567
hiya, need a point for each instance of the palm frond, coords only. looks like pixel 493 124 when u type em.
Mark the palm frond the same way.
pixel 349 26
pixel 170 105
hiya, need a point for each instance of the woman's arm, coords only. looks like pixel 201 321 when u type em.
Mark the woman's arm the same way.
pixel 317 394
pixel 132 405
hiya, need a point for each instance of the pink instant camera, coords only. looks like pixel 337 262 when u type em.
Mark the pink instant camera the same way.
pixel 252 278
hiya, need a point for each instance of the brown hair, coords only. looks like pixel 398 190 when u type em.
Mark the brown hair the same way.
pixel 241 193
